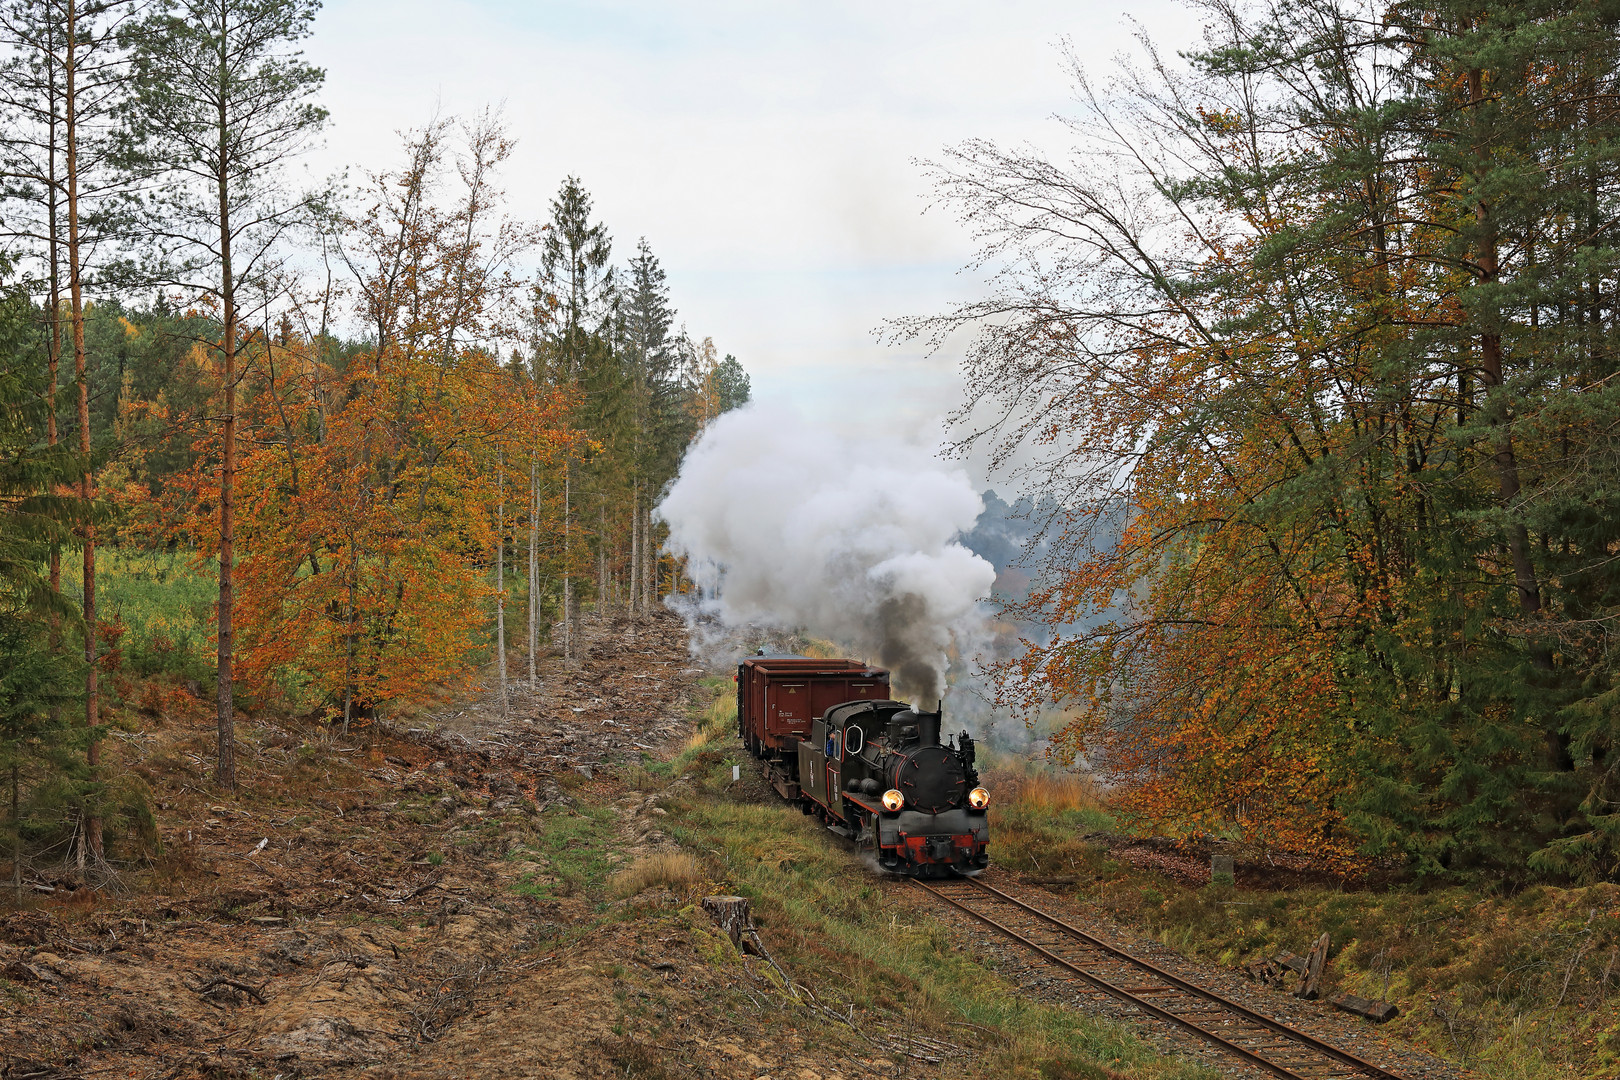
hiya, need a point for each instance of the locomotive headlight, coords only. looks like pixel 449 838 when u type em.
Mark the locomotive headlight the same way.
pixel 978 798
pixel 893 800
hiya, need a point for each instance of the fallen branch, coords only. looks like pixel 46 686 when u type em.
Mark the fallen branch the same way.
pixel 256 993
pixel 419 890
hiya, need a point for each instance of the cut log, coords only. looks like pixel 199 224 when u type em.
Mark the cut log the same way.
pixel 730 913
pixel 1310 986
pixel 1376 1011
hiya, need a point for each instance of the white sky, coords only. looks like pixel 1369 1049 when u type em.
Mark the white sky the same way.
pixel 764 149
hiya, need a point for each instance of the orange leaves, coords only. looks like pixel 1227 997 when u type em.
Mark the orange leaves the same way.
pixel 365 520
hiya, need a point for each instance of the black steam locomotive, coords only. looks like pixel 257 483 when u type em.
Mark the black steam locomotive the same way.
pixel 877 771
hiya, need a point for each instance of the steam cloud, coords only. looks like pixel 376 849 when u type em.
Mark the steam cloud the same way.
pixel 786 525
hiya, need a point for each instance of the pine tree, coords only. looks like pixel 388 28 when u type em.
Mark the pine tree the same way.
pixel 222 101
pixel 64 79
pixel 731 384
pixel 662 424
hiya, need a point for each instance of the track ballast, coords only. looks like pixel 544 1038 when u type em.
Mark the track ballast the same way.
pixel 1262 1042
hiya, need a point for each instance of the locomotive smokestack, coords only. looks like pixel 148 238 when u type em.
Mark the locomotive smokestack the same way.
pixel 928 725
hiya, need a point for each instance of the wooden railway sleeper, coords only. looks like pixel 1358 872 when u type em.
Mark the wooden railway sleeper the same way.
pixel 1326 1049
pixel 1115 991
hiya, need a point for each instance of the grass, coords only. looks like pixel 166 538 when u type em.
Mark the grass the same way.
pixel 673 870
pixel 714 743
pixel 1520 987
pixel 828 918
pixel 574 846
pixel 159 605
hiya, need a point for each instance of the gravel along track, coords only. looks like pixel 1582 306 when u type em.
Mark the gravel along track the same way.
pixel 1236 1038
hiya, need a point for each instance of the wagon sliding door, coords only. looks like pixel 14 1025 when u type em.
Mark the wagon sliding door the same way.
pixel 787 708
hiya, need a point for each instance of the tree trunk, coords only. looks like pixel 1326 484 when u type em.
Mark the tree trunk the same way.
pixel 500 575
pixel 534 570
pixel 1499 415
pixel 352 631
pixel 87 490
pixel 227 470
pixel 649 556
pixel 54 253
pixel 16 831
pixel 635 551
pixel 730 913
pixel 1490 356
pixel 568 569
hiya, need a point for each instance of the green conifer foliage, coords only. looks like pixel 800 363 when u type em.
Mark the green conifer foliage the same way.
pixel 39 749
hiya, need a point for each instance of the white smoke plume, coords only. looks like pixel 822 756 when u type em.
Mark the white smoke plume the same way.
pixel 788 525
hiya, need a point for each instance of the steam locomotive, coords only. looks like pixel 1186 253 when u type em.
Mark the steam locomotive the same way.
pixel 876 770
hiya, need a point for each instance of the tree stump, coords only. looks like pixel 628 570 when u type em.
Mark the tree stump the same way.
pixel 1310 987
pixel 731 914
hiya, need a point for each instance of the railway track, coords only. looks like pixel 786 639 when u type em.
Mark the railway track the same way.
pixel 1259 1040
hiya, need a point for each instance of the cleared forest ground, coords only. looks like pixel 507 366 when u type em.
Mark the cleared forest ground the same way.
pixel 473 893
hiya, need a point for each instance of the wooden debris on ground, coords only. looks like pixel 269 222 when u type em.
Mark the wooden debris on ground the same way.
pixel 1376 1011
pixel 1310 984
pixel 1303 972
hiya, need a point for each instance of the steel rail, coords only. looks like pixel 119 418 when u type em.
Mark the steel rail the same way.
pixel 1344 1057
pixel 1295 1036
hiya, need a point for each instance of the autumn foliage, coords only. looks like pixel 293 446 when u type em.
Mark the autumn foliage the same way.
pixel 368 545
pixel 1309 355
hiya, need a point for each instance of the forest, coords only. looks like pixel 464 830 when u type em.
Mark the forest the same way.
pixel 1303 357
pixel 1327 311
pixel 348 444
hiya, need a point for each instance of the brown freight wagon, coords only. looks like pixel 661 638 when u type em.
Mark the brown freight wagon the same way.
pixel 778 697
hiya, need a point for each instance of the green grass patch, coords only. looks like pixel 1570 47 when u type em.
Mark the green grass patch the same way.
pixel 574 846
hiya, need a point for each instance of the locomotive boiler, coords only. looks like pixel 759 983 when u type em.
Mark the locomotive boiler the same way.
pixel 876 770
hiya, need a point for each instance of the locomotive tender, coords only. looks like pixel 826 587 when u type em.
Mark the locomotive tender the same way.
pixel 874 769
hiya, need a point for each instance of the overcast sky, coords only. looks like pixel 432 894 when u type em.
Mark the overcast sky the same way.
pixel 765 150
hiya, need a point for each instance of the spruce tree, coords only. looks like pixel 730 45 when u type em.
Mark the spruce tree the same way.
pixel 576 287
pixel 36 678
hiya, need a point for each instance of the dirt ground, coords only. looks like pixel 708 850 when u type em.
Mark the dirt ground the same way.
pixel 410 902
